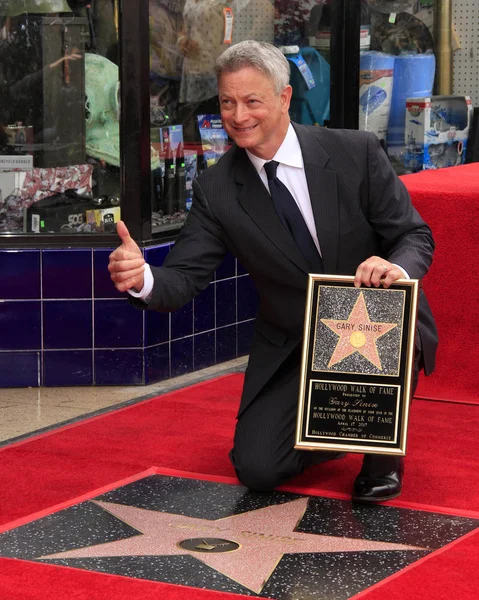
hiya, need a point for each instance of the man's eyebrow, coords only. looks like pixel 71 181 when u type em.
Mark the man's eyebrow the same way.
pixel 247 95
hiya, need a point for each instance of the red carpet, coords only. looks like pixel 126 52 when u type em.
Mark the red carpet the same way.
pixel 171 431
pixel 448 200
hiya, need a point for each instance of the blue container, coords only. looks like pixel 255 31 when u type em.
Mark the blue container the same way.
pixel 413 78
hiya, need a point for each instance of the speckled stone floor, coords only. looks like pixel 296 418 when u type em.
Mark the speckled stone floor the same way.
pixel 24 411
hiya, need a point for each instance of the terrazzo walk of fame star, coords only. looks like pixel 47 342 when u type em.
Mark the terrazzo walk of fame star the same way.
pixel 223 537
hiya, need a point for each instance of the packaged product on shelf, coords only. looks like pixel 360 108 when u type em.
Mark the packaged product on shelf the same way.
pixel 214 139
pixel 437 130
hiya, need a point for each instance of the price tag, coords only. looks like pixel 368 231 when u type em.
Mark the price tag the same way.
pixel 229 18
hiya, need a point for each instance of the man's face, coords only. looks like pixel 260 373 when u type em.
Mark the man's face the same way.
pixel 254 116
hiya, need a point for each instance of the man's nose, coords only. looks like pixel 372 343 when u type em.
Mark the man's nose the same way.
pixel 241 113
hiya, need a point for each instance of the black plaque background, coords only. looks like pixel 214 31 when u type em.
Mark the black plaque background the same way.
pixel 354 444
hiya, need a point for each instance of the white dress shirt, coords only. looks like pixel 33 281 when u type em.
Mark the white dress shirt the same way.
pixel 291 173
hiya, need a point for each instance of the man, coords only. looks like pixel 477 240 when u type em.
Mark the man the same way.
pixel 357 218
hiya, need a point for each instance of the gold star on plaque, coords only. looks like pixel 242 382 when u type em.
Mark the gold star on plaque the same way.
pixel 357 334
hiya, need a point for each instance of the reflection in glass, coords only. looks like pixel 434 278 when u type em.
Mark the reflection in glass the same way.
pixel 58 174
pixel 400 64
pixel 186 37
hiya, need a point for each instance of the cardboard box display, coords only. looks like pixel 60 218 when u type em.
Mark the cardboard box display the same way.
pixel 104 218
pixel 436 131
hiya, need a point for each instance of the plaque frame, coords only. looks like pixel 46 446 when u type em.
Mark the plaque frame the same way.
pixel 352 399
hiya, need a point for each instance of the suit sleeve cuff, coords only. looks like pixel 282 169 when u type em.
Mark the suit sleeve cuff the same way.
pixel 406 274
pixel 146 292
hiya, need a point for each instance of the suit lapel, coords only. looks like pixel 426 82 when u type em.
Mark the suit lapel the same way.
pixel 256 201
pixel 323 191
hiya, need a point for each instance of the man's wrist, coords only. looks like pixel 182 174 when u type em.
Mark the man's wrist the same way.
pixel 146 291
pixel 406 274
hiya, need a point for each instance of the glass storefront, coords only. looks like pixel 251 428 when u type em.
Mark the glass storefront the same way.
pixel 73 162
pixel 186 37
pixel 405 91
pixel 59 134
pixel 60 71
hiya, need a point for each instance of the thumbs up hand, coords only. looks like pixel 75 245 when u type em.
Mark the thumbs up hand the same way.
pixel 127 264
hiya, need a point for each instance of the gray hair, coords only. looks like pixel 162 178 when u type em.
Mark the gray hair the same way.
pixel 259 55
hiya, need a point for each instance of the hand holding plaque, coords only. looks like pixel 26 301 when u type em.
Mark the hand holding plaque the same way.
pixel 357 366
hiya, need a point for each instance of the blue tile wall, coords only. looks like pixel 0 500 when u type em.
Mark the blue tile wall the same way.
pixel 204 310
pixel 20 325
pixel 103 285
pixel 67 367
pixel 247 298
pixel 227 268
pixel 67 273
pixel 182 356
pixel 67 324
pixel 119 367
pixel 118 324
pixel 20 274
pixel 204 350
pixel 245 335
pixel 182 322
pixel 19 369
pixel 157 363
pixel 155 256
pixel 226 343
pixel 64 323
pixel 157 327
pixel 225 302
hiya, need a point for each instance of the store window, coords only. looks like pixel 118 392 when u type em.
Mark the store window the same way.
pixel 63 170
pixel 406 92
pixel 186 37
pixel 59 117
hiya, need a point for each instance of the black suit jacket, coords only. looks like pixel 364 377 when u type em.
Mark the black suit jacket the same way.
pixel 360 208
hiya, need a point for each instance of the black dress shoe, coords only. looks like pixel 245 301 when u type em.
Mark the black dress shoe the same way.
pixel 379 488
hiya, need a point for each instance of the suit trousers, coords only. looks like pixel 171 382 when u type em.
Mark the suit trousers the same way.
pixel 263 453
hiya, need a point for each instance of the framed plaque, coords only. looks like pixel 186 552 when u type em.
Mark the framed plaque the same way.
pixel 357 366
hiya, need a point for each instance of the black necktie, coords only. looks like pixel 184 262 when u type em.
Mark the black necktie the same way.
pixel 291 217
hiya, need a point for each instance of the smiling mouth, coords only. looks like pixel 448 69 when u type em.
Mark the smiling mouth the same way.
pixel 244 129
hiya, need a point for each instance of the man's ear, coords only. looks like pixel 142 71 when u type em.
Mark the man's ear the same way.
pixel 285 97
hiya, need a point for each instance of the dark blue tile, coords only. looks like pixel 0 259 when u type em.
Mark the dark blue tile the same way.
pixel 247 298
pixel 240 270
pixel 118 367
pixel 157 327
pixel 20 274
pixel 118 324
pixel 182 356
pixel 67 324
pixel 225 302
pixel 103 285
pixel 182 322
pixel 67 273
pixel 245 335
pixel 155 255
pixel 204 350
pixel 25 373
pixel 227 269
pixel 67 367
pixel 157 363
pixel 204 310
pixel 20 325
pixel 225 344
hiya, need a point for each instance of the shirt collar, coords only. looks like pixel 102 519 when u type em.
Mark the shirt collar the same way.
pixel 289 153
